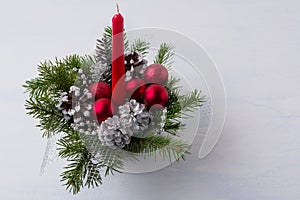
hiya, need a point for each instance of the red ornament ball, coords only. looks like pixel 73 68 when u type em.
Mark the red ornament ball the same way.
pixel 135 89
pixel 100 90
pixel 156 94
pixel 103 109
pixel 156 73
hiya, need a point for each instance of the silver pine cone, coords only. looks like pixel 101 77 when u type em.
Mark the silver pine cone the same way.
pixel 136 114
pixel 114 133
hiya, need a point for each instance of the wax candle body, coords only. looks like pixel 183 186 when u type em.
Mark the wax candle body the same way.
pixel 118 68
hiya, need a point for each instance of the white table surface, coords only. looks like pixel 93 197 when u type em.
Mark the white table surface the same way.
pixel 255 44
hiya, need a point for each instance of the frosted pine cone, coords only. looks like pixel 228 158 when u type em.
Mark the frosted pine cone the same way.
pixel 76 105
pixel 113 133
pixel 135 65
pixel 136 114
pixel 83 119
pixel 65 104
pixel 101 72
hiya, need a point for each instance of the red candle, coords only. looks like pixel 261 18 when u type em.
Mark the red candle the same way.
pixel 118 67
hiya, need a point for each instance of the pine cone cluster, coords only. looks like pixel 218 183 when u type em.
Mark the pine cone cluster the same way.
pixel 131 120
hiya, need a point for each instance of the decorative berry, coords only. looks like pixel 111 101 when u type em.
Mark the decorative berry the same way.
pixel 156 73
pixel 135 89
pixel 156 94
pixel 103 109
pixel 100 90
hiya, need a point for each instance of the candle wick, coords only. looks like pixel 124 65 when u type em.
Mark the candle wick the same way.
pixel 118 10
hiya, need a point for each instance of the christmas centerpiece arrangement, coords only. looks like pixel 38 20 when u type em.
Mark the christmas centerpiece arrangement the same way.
pixel 111 107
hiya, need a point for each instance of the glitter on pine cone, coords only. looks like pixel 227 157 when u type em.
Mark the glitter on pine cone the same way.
pixel 135 65
pixel 132 119
pixel 136 114
pixel 65 105
pixel 80 101
pixel 133 60
pixel 114 133
pixel 101 72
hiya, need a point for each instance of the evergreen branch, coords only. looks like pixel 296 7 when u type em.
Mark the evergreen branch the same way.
pixel 191 101
pixel 82 172
pixel 140 46
pixel 70 145
pixel 104 47
pixel 180 105
pixel 167 147
pixel 126 42
pixel 108 156
pixel 165 55
pixel 51 120
pixel 108 32
pixel 53 79
pixel 57 76
pixel 72 148
pixel 74 173
pixel 172 124
pixel 93 177
pixel 172 84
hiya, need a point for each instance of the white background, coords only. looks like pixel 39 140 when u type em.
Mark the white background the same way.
pixel 255 44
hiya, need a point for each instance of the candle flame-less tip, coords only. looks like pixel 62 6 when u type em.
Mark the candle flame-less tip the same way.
pixel 118 10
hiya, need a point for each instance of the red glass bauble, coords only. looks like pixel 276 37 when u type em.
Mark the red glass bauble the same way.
pixel 156 94
pixel 156 73
pixel 100 90
pixel 135 89
pixel 103 109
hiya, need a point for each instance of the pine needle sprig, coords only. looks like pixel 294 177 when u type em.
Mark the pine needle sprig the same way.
pixel 191 101
pixel 53 79
pixel 180 105
pixel 82 171
pixel 173 123
pixel 104 47
pixel 71 147
pixel 51 120
pixel 53 76
pixel 126 43
pixel 56 76
pixel 140 46
pixel 112 159
pixel 167 147
pixel 165 55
